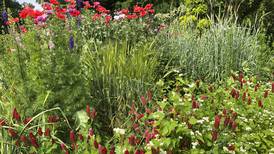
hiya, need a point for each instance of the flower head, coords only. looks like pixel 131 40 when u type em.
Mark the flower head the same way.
pixel 15 115
pixel 71 42
pixel 5 17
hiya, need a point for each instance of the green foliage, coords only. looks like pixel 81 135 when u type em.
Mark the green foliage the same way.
pixel 209 55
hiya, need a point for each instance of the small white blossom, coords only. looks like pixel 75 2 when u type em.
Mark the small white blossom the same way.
pixel 119 131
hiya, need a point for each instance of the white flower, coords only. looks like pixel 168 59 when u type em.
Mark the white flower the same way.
pixel 194 144
pixel 119 131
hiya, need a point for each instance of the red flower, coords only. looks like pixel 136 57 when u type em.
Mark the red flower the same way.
pixel 112 150
pixel 244 97
pixel 60 16
pixel 132 16
pixel 260 103
pixel 217 121
pixel 88 110
pixel 195 104
pixel 53 119
pixel 12 132
pixel 27 120
pixel 234 125
pixel 24 139
pixel 152 11
pixel 224 111
pixel 272 85
pixel 74 13
pixel 40 133
pixel 265 93
pixel 81 138
pixel 107 19
pixel 227 120
pixel 96 16
pixel 138 9
pixel 132 140
pixel 148 6
pixel 124 11
pixel 140 116
pixel 33 140
pixel 93 113
pixel 24 13
pixel 71 136
pixel 249 100
pixel 143 13
pixel 101 9
pixel 47 6
pixel 54 2
pixel 90 132
pixel 214 135
pixel 95 143
pixel 63 147
pixel 23 29
pixel 15 115
pixel 47 132
pixel 102 149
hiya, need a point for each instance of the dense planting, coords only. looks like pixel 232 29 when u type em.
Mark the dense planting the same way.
pixel 85 77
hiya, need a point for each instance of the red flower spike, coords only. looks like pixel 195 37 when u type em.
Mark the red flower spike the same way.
pixel 152 11
pixel 227 120
pixel 95 143
pixel 24 139
pixel 224 111
pixel 53 119
pixel 15 115
pixel 234 115
pixel 249 100
pixel 107 19
pixel 217 121
pixel 132 16
pixel 234 125
pixel 244 97
pixel 33 140
pixel 214 135
pixel 63 147
pixel 272 87
pixel 47 132
pixel 102 149
pixel 143 100
pixel 132 140
pixel 112 150
pixel 12 132
pixel 265 93
pixel 148 6
pixel 81 138
pixel 90 132
pixel 88 110
pixel 39 132
pixel 27 120
pixel 93 113
pixel 72 136
pixel 260 103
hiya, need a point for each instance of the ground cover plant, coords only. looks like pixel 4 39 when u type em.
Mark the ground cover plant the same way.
pixel 136 77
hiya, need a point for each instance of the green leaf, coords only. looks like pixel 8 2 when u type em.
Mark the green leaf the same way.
pixel 192 120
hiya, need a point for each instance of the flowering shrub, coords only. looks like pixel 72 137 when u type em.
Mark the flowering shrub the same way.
pixel 194 117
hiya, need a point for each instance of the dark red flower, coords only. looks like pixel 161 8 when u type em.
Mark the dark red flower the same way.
pixel 88 110
pixel 27 120
pixel 12 132
pixel 140 116
pixel 90 132
pixel 227 120
pixel 112 150
pixel 143 13
pixel 47 132
pixel 272 87
pixel 138 9
pixel 152 11
pixel 53 119
pixel 224 111
pixel 214 135
pixel 63 147
pixel 47 6
pixel 39 132
pixel 217 121
pixel 195 104
pixel 81 138
pixel 124 11
pixel 23 29
pixel 95 143
pixel 15 115
pixel 234 125
pixel 33 140
pixel 132 16
pixel 101 9
pixel 265 93
pixel 24 139
pixel 132 140
pixel 72 136
pixel 102 149
pixel 107 19
pixel 60 16
pixel 244 97
pixel 74 12
pixel 249 100
pixel 260 103
pixel 93 113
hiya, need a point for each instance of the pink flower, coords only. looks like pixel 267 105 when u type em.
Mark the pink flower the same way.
pixel 54 2
pixel 102 149
pixel 72 136
pixel 107 19
pixel 143 100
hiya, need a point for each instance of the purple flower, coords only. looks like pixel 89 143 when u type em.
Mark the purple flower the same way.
pixel 79 4
pixel 5 17
pixel 71 42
